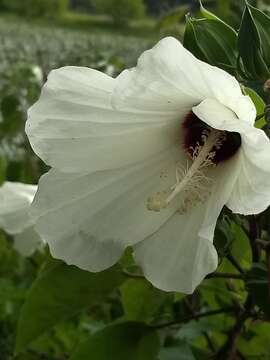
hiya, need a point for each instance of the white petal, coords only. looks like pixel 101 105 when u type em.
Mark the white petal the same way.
pixel 74 127
pixel 219 116
pixel 169 78
pixel 181 253
pixel 88 219
pixel 15 200
pixel 27 241
pixel 251 193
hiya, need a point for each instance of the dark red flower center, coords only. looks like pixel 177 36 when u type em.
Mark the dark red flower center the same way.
pixel 194 130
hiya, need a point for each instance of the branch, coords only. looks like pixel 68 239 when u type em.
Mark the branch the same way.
pixel 268 268
pixel 253 236
pixel 134 275
pixel 228 309
pixel 265 245
pixel 225 276
pixel 235 263
pixel 229 349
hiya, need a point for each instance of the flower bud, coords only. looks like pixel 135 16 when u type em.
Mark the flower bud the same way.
pixel 266 86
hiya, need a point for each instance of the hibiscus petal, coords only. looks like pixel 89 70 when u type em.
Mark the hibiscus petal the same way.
pixel 169 77
pixel 219 116
pixel 251 194
pixel 15 200
pixel 181 253
pixel 74 127
pixel 88 219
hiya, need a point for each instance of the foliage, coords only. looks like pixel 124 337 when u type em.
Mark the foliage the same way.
pixel 121 11
pixel 37 8
pixel 53 311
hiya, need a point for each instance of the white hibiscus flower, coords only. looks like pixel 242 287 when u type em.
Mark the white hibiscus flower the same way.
pixel 146 160
pixel 15 201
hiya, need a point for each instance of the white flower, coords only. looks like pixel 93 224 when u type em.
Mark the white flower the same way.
pixel 134 165
pixel 38 74
pixel 15 201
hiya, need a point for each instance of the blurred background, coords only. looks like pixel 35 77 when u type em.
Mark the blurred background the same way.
pixel 37 36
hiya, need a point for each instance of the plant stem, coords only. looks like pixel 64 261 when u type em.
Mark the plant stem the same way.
pixel 225 276
pixel 132 274
pixel 220 275
pixel 268 268
pixel 265 245
pixel 235 263
pixel 228 309
pixel 229 350
pixel 253 236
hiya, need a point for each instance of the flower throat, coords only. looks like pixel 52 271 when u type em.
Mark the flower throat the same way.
pixel 206 147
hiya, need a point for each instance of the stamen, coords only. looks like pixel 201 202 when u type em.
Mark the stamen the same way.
pixel 191 180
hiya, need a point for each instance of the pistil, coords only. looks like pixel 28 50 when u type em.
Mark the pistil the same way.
pixel 191 181
pixel 202 160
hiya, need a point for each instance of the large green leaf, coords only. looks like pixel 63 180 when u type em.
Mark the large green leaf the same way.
pixel 141 300
pixel 59 293
pixel 212 41
pixel 254 43
pixel 129 340
pixel 262 22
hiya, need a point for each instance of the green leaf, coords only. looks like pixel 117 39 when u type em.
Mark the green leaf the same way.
pixel 181 351
pixel 241 248
pixel 212 41
pixel 257 285
pixel 255 342
pixel 223 237
pixel 259 104
pixel 214 293
pixel 59 293
pixel 195 329
pixel 129 340
pixel 141 300
pixel 254 43
pixel 209 15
